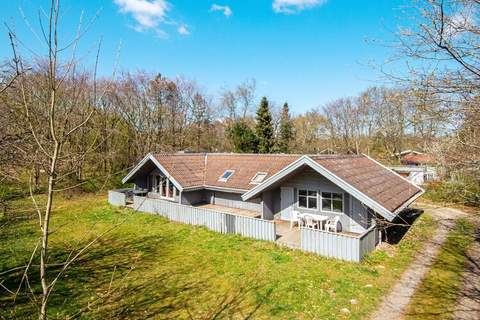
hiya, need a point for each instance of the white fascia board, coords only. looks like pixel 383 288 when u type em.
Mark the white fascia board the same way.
pixel 409 202
pixel 167 174
pixel 136 168
pixel 305 160
pixel 352 190
pixel 277 176
pixel 395 173
pixel 159 166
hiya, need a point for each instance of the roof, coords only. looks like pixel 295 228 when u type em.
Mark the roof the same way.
pixel 245 167
pixel 402 153
pixel 369 181
pixel 417 159
pixel 372 179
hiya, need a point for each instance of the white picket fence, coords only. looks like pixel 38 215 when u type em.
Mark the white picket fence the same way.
pixel 214 220
pixel 339 245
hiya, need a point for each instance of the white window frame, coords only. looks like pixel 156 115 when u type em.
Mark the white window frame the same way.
pixel 257 174
pixel 167 195
pixel 331 198
pixel 232 172
pixel 298 199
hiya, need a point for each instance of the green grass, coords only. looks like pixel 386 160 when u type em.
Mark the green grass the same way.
pixel 435 298
pixel 150 267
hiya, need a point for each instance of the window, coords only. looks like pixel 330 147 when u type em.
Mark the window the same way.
pixel 172 190
pixel 307 199
pixel 226 175
pixel 332 201
pixel 258 178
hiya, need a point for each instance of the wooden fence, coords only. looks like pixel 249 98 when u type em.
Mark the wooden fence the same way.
pixel 339 245
pixel 117 197
pixel 214 220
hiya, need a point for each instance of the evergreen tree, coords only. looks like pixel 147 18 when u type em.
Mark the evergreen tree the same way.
pixel 285 131
pixel 264 128
pixel 242 137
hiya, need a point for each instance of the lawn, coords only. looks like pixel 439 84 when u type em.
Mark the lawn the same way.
pixel 435 298
pixel 150 267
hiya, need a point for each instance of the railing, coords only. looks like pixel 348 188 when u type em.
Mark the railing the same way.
pixel 118 197
pixel 338 245
pixel 214 220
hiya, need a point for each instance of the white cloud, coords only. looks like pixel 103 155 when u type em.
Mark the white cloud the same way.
pixel 293 6
pixel 183 30
pixel 227 12
pixel 148 14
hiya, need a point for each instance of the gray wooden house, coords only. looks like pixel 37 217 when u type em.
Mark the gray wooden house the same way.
pixel 327 196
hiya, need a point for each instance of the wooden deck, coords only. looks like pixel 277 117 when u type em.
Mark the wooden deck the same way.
pixel 286 236
pixel 236 211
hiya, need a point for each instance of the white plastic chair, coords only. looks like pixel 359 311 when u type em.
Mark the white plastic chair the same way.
pixel 332 224
pixel 294 218
pixel 310 222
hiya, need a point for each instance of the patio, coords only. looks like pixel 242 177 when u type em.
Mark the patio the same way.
pixel 235 211
pixel 286 236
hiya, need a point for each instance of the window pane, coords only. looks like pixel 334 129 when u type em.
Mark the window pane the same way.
pixel 302 192
pixel 312 203
pixel 337 206
pixel 327 195
pixel 327 204
pixel 259 177
pixel 302 202
pixel 337 196
pixel 312 193
pixel 226 174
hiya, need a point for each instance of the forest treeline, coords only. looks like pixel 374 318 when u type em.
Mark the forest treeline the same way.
pixel 103 126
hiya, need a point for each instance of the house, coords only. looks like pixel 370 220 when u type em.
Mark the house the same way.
pixel 336 200
pixel 417 167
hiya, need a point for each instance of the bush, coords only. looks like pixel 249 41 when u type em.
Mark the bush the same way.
pixel 464 191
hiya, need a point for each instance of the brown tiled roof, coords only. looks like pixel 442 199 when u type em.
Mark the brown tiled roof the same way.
pixel 372 179
pixel 375 181
pixel 417 159
pixel 186 168
pixel 245 167
pixel 198 169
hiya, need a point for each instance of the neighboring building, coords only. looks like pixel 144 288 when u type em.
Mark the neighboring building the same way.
pixel 354 188
pixel 417 167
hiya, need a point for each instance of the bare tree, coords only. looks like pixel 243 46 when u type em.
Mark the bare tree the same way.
pixel 53 101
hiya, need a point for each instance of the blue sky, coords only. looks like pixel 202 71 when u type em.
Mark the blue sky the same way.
pixel 306 52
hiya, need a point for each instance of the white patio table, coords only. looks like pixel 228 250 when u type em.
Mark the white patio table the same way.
pixel 317 217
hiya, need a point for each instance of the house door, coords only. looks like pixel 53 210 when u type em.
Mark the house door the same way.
pixel 286 202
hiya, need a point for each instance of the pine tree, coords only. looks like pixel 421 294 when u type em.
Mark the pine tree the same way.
pixel 264 128
pixel 242 137
pixel 285 134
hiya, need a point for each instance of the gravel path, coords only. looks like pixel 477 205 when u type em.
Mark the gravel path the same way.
pixel 398 299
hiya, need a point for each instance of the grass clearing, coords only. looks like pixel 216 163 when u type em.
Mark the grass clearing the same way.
pixel 150 267
pixel 435 298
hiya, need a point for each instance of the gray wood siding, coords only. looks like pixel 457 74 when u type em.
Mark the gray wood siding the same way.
pixel 310 179
pixel 234 200
pixel 193 197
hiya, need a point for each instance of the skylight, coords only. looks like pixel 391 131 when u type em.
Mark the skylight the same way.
pixel 226 175
pixel 258 178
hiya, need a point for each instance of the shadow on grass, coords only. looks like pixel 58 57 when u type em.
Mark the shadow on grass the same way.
pixel 402 223
pixel 136 277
